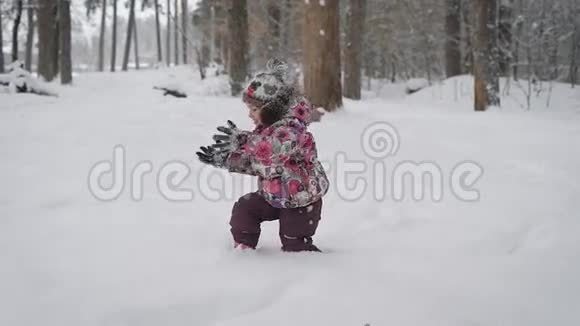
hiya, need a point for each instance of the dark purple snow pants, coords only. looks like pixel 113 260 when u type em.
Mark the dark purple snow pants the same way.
pixel 297 225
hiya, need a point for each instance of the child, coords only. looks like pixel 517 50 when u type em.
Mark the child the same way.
pixel 282 153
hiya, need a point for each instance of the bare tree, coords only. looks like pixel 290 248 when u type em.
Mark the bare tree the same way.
pixel 468 13
pixel 225 41
pixel 274 26
pixel 275 31
pixel 130 35
pixel 47 33
pixel 176 32
pixel 493 50
pixel 29 35
pixel 575 48
pixel 518 26
pixel 56 41
pixel 158 33
pixel 238 36
pixel 1 45
pixel 168 38
pixel 209 20
pixel 184 28
pixel 114 38
pixel 353 49
pixel 136 47
pixel 321 51
pixel 213 38
pixel 65 42
pixel 102 36
pixel 505 36
pixel 404 39
pixel 15 29
pixel 289 20
pixel 453 38
pixel 202 20
pixel 485 58
pixel 553 42
pixel 200 64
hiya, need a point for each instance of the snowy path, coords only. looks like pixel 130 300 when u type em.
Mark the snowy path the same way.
pixel 513 258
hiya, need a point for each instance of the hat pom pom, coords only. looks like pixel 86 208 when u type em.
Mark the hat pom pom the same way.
pixel 277 67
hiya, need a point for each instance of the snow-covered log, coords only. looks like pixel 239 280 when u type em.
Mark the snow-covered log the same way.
pixel 18 80
pixel 416 84
pixel 171 90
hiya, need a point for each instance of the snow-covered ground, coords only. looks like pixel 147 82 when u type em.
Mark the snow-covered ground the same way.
pixel 66 258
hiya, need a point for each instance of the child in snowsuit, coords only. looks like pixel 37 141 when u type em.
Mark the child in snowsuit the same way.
pixel 282 153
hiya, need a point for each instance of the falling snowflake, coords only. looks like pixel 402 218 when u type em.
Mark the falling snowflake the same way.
pixel 322 32
pixel 322 3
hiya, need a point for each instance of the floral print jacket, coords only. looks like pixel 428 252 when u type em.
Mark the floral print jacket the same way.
pixel 284 157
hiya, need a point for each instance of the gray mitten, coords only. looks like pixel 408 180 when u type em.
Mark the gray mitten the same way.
pixel 231 139
pixel 209 155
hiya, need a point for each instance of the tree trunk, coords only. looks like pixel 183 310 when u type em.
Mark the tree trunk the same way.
pixel 168 38
pixel 176 32
pixel 209 42
pixel 393 68
pixel 453 38
pixel 225 51
pixel 205 51
pixel 485 58
pixel 274 29
pixel 554 49
pixel 158 32
pixel 286 29
pixel 218 43
pixel 56 41
pixel 505 36
pixel 517 44
pixel 238 37
pixel 136 48
pixel 493 49
pixel 542 47
pixel 468 19
pixel 353 50
pixel 1 46
pixel 321 51
pixel 65 42
pixel 574 54
pixel 15 30
pixel 114 39
pixel 200 64
pixel 129 35
pixel 185 28
pixel 382 67
pixel 369 57
pixel 47 47
pixel 213 38
pixel 29 36
pixel 102 36
pixel 204 23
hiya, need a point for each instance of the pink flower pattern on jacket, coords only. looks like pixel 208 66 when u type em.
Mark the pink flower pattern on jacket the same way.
pixel 284 157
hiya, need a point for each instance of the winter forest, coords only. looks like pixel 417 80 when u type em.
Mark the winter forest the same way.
pixel 289 162
pixel 531 42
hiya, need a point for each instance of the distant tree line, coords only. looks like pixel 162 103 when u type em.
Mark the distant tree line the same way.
pixel 334 48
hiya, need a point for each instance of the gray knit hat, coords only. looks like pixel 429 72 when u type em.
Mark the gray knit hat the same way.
pixel 270 91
